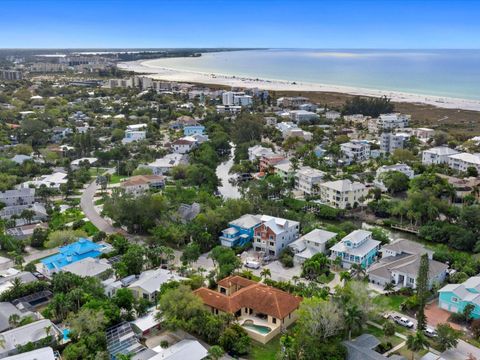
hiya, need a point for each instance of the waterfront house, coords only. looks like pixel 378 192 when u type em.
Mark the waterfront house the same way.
pixel 263 311
pixel 402 271
pixel 358 247
pixel 455 297
pixel 72 253
pixel 307 180
pixel 240 231
pixel 342 194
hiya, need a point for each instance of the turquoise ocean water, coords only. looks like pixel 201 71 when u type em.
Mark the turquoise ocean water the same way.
pixel 450 73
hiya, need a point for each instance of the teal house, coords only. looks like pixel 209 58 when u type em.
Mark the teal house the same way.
pixel 193 130
pixel 358 247
pixel 72 253
pixel 240 231
pixel 454 297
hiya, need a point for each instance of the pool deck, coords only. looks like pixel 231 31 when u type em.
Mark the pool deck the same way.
pixel 256 335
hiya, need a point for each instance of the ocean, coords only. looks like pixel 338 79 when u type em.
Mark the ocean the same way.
pixel 449 73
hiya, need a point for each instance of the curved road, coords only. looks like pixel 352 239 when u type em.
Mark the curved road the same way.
pixel 88 207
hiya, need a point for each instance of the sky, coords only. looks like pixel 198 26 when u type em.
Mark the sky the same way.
pixel 339 24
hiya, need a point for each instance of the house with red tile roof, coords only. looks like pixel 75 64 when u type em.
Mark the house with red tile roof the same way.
pixel 263 311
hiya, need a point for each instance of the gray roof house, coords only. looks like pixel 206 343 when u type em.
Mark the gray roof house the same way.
pixel 362 348
pixel 6 310
pixel 404 246
pixel 310 244
pixel 402 271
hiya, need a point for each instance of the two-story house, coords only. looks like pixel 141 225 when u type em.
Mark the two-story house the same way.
pixel 358 247
pixel 263 311
pixel 455 297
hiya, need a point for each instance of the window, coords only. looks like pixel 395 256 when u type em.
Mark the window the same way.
pixel 454 299
pixel 274 320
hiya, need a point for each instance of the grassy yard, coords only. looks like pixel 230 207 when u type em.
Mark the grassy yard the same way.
pixel 89 228
pixel 268 351
pixel 58 220
pixel 391 302
pixel 115 179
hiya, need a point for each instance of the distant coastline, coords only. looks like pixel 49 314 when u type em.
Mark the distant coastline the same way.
pixel 180 75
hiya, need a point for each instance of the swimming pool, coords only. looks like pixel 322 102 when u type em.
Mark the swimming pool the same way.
pixel 249 324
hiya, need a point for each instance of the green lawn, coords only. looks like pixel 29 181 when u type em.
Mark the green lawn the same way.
pixel 391 302
pixel 89 228
pixel 115 179
pixel 268 351
pixel 59 220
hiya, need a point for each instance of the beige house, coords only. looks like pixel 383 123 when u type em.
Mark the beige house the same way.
pixel 342 194
pixel 263 311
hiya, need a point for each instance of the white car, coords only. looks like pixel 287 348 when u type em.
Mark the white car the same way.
pixel 403 321
pixel 430 332
pixel 252 264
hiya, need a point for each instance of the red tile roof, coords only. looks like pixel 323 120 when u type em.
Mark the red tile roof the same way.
pixel 259 297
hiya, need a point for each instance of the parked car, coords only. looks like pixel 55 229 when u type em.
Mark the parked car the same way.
pixel 400 320
pixel 430 332
pixel 252 264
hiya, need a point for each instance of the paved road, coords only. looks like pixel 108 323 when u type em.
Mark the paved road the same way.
pixel 88 207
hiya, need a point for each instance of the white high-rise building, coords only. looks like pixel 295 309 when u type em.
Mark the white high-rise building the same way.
pixel 232 98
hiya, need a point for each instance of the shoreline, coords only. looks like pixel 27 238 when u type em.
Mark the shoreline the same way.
pixel 186 76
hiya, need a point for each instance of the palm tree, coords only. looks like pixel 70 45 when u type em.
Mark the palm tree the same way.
pixel 345 276
pixel 416 342
pixel 353 319
pixel 16 285
pixel 2 343
pixel 265 273
pixel 360 272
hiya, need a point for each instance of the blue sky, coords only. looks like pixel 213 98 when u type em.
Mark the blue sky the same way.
pixel 240 23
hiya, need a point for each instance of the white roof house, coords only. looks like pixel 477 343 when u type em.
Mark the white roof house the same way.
pixel 148 283
pixel 462 161
pixel 45 353
pixel 90 160
pixel 182 350
pixel 310 244
pixel 22 335
pixel 88 267
pixel 136 127
pixel 437 155
pixel 257 151
pixel 51 181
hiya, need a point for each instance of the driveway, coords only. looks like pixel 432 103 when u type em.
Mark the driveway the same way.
pixel 436 315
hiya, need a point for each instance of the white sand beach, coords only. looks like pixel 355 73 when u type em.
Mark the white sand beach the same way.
pixel 151 68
